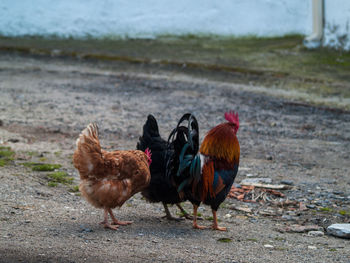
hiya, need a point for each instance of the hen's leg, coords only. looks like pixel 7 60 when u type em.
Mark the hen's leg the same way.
pixel 105 221
pixel 116 221
pixel 184 212
pixel 215 222
pixel 195 207
pixel 167 213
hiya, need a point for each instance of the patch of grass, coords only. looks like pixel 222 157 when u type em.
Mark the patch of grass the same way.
pixel 344 212
pixel 74 189
pixel 280 239
pixel 52 184
pixel 42 167
pixel 42 159
pixel 224 240
pixel 6 155
pixel 6 152
pixel 31 154
pixel 46 167
pixel 199 214
pixel 60 177
pixel 326 209
pixel 333 249
pixel 210 218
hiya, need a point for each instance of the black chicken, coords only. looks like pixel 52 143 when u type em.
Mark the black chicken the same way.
pixel 161 187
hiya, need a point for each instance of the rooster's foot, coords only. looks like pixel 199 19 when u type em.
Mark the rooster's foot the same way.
pixel 195 226
pixel 219 228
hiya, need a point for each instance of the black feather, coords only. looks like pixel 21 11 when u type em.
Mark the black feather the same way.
pixel 160 188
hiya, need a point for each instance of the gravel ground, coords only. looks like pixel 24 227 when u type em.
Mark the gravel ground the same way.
pixel 46 102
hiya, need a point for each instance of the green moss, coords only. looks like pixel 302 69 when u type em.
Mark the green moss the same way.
pixel 3 163
pixel 74 189
pixel 280 239
pixel 58 154
pixel 42 167
pixel 6 152
pixel 6 155
pixel 52 184
pixel 30 153
pixel 344 212
pixel 225 240
pixel 60 177
pixel 326 209
pixel 42 159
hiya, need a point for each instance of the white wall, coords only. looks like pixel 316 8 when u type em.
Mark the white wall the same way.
pixel 337 24
pixel 149 18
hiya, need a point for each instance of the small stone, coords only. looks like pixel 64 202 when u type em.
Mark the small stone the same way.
pixel 268 246
pixel 311 206
pixel 312 247
pixel 287 182
pixel 13 140
pixel 338 192
pixel 287 217
pixel 315 233
pixel 227 216
pixel 339 230
pixel 257 180
pixel 269 157
pixel 237 185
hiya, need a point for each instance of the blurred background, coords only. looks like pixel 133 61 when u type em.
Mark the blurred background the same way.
pixel 292 44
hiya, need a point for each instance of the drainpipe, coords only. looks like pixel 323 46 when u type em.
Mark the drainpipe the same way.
pixel 315 39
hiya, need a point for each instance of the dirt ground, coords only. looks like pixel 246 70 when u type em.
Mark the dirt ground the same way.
pixel 45 103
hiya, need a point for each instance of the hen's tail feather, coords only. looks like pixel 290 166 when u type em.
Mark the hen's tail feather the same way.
pixel 88 154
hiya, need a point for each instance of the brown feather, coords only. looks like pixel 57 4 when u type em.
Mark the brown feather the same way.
pixel 108 179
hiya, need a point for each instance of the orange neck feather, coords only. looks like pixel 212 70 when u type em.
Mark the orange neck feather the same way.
pixel 221 142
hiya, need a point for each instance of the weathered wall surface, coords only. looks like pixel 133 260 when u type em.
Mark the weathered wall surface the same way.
pixel 337 24
pixel 149 18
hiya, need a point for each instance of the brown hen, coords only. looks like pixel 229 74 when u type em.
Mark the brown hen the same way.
pixel 108 179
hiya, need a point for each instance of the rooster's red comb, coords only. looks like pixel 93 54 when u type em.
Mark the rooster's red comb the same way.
pixel 232 117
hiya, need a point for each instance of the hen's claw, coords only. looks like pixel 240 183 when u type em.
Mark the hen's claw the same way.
pixel 109 226
pixel 216 227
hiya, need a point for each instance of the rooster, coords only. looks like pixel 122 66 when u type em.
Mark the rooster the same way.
pixel 206 176
pixel 108 179
pixel 161 188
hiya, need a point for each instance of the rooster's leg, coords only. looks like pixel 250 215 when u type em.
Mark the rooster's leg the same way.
pixel 168 215
pixel 215 222
pixel 116 221
pixel 184 212
pixel 105 221
pixel 195 207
